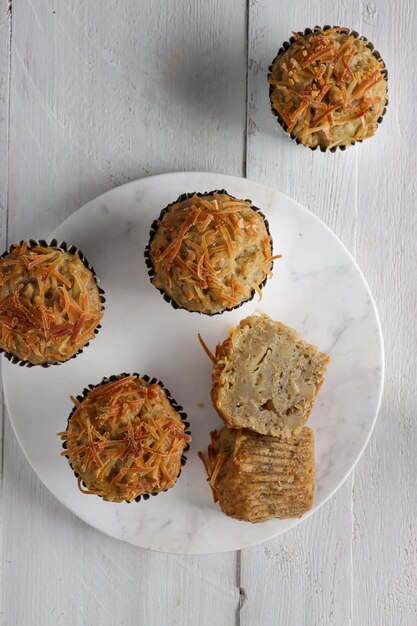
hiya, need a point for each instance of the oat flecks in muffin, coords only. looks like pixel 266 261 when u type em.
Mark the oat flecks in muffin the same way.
pixel 328 88
pixel 125 439
pixel 50 304
pixel 211 252
pixel 266 377
pixel 257 477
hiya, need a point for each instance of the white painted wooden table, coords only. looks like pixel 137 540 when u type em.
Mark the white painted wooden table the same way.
pixel 94 93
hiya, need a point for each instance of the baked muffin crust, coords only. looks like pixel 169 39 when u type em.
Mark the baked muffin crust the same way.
pixel 256 477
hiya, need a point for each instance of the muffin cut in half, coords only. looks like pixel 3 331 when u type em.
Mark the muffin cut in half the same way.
pixel 266 376
pixel 209 252
pixel 50 303
pixel 257 477
pixel 125 439
pixel 328 88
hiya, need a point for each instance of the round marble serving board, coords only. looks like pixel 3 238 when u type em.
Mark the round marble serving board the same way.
pixel 317 288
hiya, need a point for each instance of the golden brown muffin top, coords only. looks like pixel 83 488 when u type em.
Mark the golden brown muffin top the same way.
pixel 49 303
pixel 211 252
pixel 328 88
pixel 125 439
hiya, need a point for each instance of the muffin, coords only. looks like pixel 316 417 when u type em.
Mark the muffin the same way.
pixel 125 439
pixel 328 88
pixel 256 477
pixel 266 377
pixel 50 303
pixel 209 252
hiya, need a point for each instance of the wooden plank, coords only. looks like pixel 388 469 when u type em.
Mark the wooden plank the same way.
pixel 303 577
pixel 103 93
pixel 101 97
pixel 5 25
pixel 384 504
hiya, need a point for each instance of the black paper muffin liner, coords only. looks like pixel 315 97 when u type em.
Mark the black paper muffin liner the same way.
pixel 72 249
pixel 177 407
pixel 154 227
pixel 284 48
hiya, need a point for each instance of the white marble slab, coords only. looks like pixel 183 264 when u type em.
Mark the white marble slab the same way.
pixel 317 288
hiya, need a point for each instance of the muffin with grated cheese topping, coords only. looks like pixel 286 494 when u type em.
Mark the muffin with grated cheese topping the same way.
pixel 126 439
pixel 209 252
pixel 328 88
pixel 50 303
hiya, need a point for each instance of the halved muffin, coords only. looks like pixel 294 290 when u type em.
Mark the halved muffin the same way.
pixel 266 376
pixel 50 303
pixel 209 252
pixel 328 88
pixel 257 477
pixel 125 438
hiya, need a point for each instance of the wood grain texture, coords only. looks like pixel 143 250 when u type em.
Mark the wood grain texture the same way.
pixel 5 25
pixel 102 93
pixel 385 504
pixel 303 578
